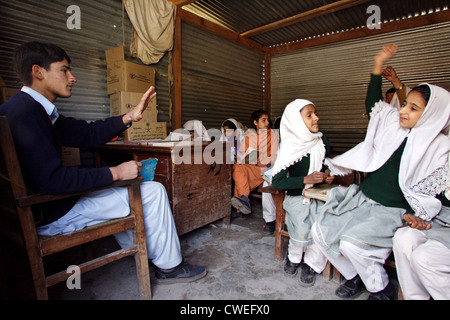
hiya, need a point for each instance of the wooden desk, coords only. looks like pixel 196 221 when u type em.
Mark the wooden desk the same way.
pixel 198 193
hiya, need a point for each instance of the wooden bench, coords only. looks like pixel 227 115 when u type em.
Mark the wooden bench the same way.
pixel 281 232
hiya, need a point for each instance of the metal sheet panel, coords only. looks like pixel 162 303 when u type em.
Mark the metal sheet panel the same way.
pixel 220 79
pixel 335 76
pixel 101 29
pixel 241 16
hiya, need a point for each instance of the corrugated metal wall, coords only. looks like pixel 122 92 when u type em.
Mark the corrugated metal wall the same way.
pixel 101 29
pixel 335 76
pixel 220 79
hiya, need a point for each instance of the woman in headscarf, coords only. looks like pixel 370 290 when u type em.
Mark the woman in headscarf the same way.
pixel 299 165
pixel 405 157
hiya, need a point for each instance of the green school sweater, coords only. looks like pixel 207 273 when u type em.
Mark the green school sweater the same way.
pixel 291 179
pixel 382 184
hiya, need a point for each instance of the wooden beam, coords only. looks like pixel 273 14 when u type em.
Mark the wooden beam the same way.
pixel 326 9
pixel 398 25
pixel 220 31
pixel 175 87
pixel 267 83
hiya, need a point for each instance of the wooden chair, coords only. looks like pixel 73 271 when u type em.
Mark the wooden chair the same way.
pixel 16 200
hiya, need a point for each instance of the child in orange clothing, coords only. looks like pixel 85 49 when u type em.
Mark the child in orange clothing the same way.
pixel 257 153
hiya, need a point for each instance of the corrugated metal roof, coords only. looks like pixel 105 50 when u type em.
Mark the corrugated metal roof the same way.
pixel 240 16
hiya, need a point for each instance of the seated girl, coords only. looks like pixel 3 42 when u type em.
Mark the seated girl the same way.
pixel 257 152
pixel 405 155
pixel 232 131
pixel 300 164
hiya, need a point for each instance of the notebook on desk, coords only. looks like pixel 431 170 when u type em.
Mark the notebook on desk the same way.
pixel 319 192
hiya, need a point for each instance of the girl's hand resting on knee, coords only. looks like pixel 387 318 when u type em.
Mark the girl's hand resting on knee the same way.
pixel 416 222
pixel 126 171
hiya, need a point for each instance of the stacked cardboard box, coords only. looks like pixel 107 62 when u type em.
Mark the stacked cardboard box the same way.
pixel 126 82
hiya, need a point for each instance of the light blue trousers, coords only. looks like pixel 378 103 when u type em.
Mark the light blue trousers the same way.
pixel 163 245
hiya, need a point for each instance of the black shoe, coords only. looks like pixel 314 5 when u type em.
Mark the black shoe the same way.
pixel 242 204
pixel 269 227
pixel 388 293
pixel 180 274
pixel 351 289
pixel 235 214
pixel 307 276
pixel 290 268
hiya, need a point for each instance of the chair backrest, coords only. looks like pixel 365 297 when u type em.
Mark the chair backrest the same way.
pixel 10 166
pixel 11 180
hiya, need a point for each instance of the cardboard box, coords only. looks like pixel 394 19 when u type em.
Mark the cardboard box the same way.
pixel 126 76
pixel 71 157
pixel 122 102
pixel 144 130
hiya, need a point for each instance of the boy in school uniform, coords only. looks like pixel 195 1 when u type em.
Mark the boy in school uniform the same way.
pixel 39 132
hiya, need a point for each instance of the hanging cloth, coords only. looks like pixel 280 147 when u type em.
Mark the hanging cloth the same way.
pixel 153 27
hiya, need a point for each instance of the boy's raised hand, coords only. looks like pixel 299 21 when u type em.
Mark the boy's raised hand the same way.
pixel 136 113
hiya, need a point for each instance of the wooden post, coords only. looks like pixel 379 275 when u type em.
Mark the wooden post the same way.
pixel 175 86
pixel 267 82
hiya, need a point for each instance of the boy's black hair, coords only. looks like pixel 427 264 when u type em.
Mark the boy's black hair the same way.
pixel 391 90
pixel 256 115
pixel 39 53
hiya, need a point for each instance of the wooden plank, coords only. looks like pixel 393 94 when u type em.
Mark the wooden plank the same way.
pixel 175 87
pixel 41 198
pixel 267 82
pixel 314 13
pixel 59 243
pixel 399 25
pixel 140 239
pixel 91 265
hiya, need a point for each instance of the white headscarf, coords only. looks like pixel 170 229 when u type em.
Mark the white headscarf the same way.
pixel 424 170
pixel 198 128
pixel 239 132
pixel 297 141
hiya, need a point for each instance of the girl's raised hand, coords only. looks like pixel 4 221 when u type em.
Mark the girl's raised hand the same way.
pixel 385 54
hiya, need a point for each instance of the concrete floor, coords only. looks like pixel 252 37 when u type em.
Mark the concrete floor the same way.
pixel 240 262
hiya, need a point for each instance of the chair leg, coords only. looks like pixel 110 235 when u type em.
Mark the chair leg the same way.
pixel 327 273
pixel 38 274
pixel 141 258
pixel 279 241
pixel 31 241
